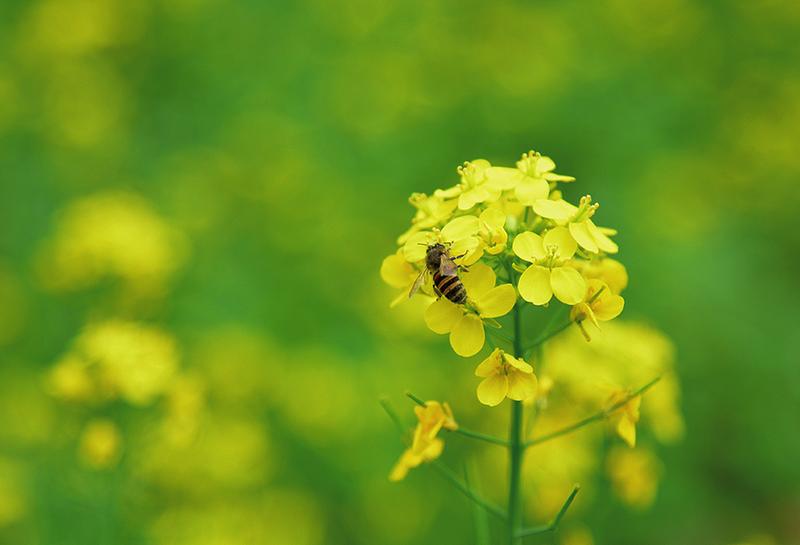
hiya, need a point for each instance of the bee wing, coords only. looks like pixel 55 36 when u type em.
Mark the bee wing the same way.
pixel 417 284
pixel 447 266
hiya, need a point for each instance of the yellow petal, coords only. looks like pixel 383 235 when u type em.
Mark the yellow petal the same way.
pixel 478 280
pixel 580 232
pixel 494 218
pixel 529 190
pixel 503 178
pixel 521 386
pixel 559 211
pixel 544 164
pixel 518 363
pixel 493 389
pixel 434 450
pixel 442 315
pixel 528 246
pixel 534 285
pixel 603 242
pixel 498 301
pixel 469 248
pixel 568 285
pixel 396 271
pixel 467 336
pixel 560 238
pixel 490 365
pixel 416 246
pixel 461 227
pixel 610 307
pixel 400 469
pixel 626 429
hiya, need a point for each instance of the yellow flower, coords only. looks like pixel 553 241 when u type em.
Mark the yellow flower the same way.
pixel 549 273
pixel 100 444
pixel 410 459
pixel 473 188
pixel 610 271
pixel 578 219
pixel 634 475
pixel 624 419
pixel 432 417
pixel 431 212
pixel 600 304
pixel 460 235
pixel 505 376
pixel 492 230
pixel 398 273
pixel 530 180
pixel 426 446
pixel 464 323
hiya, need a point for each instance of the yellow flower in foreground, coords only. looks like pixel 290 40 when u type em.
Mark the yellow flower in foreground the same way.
pixel 590 237
pixel 460 235
pixel 398 273
pixel 505 376
pixel 624 419
pixel 600 304
pixel 530 180
pixel 464 323
pixel 473 188
pixel 549 273
pixel 426 446
pixel 634 475
pixel 493 233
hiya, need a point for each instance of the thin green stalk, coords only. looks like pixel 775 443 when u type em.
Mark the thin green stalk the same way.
pixel 593 418
pixel 480 436
pixel 552 526
pixel 516 447
pixel 481 516
pixel 445 472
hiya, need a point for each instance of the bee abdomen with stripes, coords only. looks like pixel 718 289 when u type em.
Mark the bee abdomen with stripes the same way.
pixel 451 287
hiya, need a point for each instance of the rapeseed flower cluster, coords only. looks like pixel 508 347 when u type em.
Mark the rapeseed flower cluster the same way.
pixel 509 238
pixel 512 234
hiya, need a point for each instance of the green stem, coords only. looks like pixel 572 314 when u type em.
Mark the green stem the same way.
pixel 480 436
pixel 516 447
pixel 445 472
pixel 552 526
pixel 593 418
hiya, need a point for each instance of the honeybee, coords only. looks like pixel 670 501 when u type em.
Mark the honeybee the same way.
pixel 446 282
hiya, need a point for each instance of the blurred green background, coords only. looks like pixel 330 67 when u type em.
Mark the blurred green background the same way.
pixel 219 182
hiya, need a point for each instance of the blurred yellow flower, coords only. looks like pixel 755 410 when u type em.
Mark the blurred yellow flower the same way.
pixel 505 376
pixel 549 273
pixel 624 418
pixel 116 358
pixel 426 446
pixel 100 444
pixel 111 234
pixel 610 271
pixel 634 475
pixel 464 323
pixel 600 304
